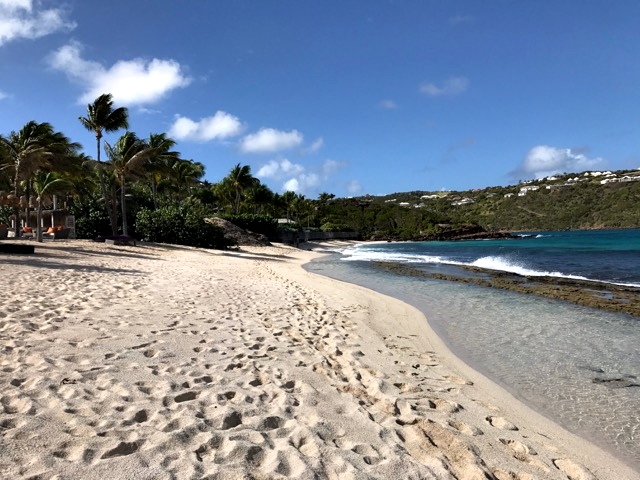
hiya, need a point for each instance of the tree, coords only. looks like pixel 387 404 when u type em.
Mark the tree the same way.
pixel 289 200
pixel 45 184
pixel 240 179
pixel 260 197
pixel 323 200
pixel 184 175
pixel 161 160
pixel 128 156
pixel 102 117
pixel 34 147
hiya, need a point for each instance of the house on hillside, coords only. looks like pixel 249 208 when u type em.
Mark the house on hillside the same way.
pixel 464 201
pixel 529 188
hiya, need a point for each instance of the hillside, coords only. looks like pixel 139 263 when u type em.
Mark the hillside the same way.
pixel 589 200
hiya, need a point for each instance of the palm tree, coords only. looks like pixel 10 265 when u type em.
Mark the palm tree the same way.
pixel 240 179
pixel 323 200
pixel 289 200
pixel 224 195
pixel 161 161
pixel 34 147
pixel 260 197
pixel 45 184
pixel 128 156
pixel 183 175
pixel 102 117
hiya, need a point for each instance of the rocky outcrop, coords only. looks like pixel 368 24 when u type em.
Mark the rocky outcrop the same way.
pixel 241 236
pixel 465 232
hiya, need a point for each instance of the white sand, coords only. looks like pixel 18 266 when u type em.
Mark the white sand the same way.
pixel 158 362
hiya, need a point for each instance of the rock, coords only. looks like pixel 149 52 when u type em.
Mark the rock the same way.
pixel 618 382
pixel 241 236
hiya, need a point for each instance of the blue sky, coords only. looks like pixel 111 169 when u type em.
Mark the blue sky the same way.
pixel 350 97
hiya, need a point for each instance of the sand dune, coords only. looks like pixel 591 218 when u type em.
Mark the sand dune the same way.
pixel 160 362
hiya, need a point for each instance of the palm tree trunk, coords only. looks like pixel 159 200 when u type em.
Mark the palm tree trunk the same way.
pixel 108 200
pixel 39 220
pixel 16 191
pixel 123 204
pixel 28 209
pixel 154 191
pixel 113 219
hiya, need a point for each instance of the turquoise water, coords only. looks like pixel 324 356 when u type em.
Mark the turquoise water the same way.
pixel 606 255
pixel 576 365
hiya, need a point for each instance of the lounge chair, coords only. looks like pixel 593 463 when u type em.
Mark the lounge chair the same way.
pixel 57 233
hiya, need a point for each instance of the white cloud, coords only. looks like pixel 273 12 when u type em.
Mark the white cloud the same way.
pixel 329 166
pixel 21 19
pixel 218 127
pixel 3 95
pixel 291 185
pixel 388 105
pixel 297 178
pixel 452 86
pixel 279 169
pixel 354 187
pixel 543 160
pixel 317 144
pixel 458 19
pixel 131 82
pixel 270 140
pixel 302 183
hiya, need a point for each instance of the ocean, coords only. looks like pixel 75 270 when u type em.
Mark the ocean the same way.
pixel 577 365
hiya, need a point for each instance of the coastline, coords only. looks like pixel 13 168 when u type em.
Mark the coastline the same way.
pixel 158 360
pixel 597 458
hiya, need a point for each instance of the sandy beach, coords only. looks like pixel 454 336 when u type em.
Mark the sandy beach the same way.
pixel 167 362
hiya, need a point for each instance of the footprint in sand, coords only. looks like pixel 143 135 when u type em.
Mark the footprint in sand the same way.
pixel 501 423
pixel 122 449
pixel 185 397
pixel 458 380
pixel 444 405
pixel 464 428
pixel 518 447
pixel 524 453
pixel 573 470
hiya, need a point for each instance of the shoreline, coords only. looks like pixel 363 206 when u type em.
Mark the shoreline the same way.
pixel 493 389
pixel 161 360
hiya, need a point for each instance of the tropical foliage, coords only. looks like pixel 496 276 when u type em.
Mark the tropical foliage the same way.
pixel 144 188
pixel 180 224
pixel 135 186
pixel 102 117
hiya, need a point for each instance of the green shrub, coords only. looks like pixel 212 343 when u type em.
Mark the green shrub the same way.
pixel 181 225
pixel 334 227
pixel 91 218
pixel 6 213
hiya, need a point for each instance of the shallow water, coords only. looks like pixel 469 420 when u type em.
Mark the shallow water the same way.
pixel 545 352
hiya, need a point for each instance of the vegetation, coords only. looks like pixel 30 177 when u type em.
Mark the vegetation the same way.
pixel 143 187
pixel 182 225
pixel 590 200
pixel 102 117
pixel 146 189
